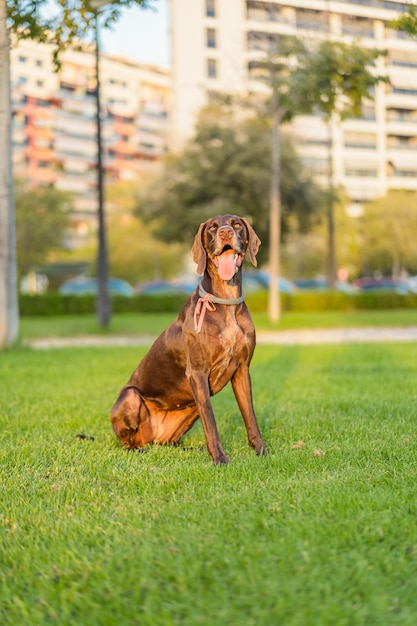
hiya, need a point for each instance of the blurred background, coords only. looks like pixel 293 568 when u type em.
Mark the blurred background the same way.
pixel 187 120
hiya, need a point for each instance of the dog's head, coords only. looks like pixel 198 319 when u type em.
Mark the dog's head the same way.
pixel 224 240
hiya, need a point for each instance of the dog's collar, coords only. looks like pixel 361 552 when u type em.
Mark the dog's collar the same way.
pixel 209 296
pixel 207 301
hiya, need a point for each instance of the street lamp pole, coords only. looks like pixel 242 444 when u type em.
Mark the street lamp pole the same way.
pixel 103 304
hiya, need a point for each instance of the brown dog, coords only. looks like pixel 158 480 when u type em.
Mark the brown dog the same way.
pixel 209 344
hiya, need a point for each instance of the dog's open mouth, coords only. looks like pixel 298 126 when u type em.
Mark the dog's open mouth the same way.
pixel 227 262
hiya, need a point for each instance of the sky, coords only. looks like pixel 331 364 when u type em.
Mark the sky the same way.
pixel 140 34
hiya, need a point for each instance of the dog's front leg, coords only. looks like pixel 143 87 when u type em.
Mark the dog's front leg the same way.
pixel 242 388
pixel 201 392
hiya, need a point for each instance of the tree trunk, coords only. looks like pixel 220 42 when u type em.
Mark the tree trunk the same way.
pixel 9 312
pixel 331 261
pixel 274 303
pixel 103 305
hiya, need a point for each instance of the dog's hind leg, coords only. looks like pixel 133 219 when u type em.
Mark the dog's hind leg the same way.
pixel 130 419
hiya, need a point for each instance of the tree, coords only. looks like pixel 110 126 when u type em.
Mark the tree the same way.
pixel 42 217
pixel 151 260
pixel 379 239
pixel 9 313
pixel 69 23
pixel 407 22
pixel 338 80
pixel 304 253
pixel 283 69
pixel 389 233
pixel 226 168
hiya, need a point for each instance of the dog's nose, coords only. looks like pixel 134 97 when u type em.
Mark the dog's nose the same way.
pixel 225 232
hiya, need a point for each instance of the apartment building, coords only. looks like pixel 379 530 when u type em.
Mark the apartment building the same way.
pixel 55 129
pixel 214 44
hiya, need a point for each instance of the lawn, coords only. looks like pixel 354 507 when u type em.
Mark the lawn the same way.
pixel 321 532
pixel 152 324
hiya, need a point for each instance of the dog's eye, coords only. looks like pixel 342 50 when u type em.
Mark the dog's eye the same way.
pixel 238 226
pixel 213 228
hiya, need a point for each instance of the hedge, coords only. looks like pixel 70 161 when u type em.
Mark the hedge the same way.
pixel 55 304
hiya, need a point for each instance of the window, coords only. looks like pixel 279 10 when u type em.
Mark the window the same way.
pixel 404 91
pixel 360 140
pixel 211 38
pixel 357 26
pixel 38 63
pixel 210 8
pixel 212 68
pixel 353 170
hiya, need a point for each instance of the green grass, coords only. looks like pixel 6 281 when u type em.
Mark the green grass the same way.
pixel 153 324
pixel 322 532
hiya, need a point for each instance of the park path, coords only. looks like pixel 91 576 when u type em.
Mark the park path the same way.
pixel 284 337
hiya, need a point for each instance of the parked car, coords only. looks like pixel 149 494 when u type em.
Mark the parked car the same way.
pixel 385 283
pixel 160 287
pixel 252 281
pixel 412 283
pixel 258 279
pixel 82 285
pixel 321 284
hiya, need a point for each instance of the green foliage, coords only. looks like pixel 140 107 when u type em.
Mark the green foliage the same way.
pixel 42 217
pixel 60 22
pixel 321 532
pixel 339 301
pixel 284 69
pixel 389 234
pixel 135 255
pixel 339 77
pixel 408 21
pixel 381 239
pixel 226 168
pixel 55 304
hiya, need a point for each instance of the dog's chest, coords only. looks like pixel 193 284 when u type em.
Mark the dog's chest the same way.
pixel 231 336
pixel 229 349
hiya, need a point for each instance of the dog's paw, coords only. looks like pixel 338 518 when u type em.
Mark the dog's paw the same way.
pixel 220 460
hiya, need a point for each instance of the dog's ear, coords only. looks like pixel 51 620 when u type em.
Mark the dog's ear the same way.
pixel 199 253
pixel 253 242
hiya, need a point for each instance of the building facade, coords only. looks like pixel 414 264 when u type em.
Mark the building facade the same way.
pixel 215 42
pixel 54 122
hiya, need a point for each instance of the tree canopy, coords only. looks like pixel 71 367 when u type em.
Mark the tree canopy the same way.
pixel 389 233
pixel 226 168
pixel 42 217
pixel 340 77
pixel 62 22
pixel 408 21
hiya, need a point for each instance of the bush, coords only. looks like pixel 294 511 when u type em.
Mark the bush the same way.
pixel 56 304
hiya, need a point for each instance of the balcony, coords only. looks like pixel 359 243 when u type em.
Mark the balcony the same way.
pixel 401 98
pixel 403 180
pixel 407 127
pixel 265 12
pixel 317 21
pixel 357 27
pixel 73 184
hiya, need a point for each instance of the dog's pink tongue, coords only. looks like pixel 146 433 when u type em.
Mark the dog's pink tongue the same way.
pixel 227 265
